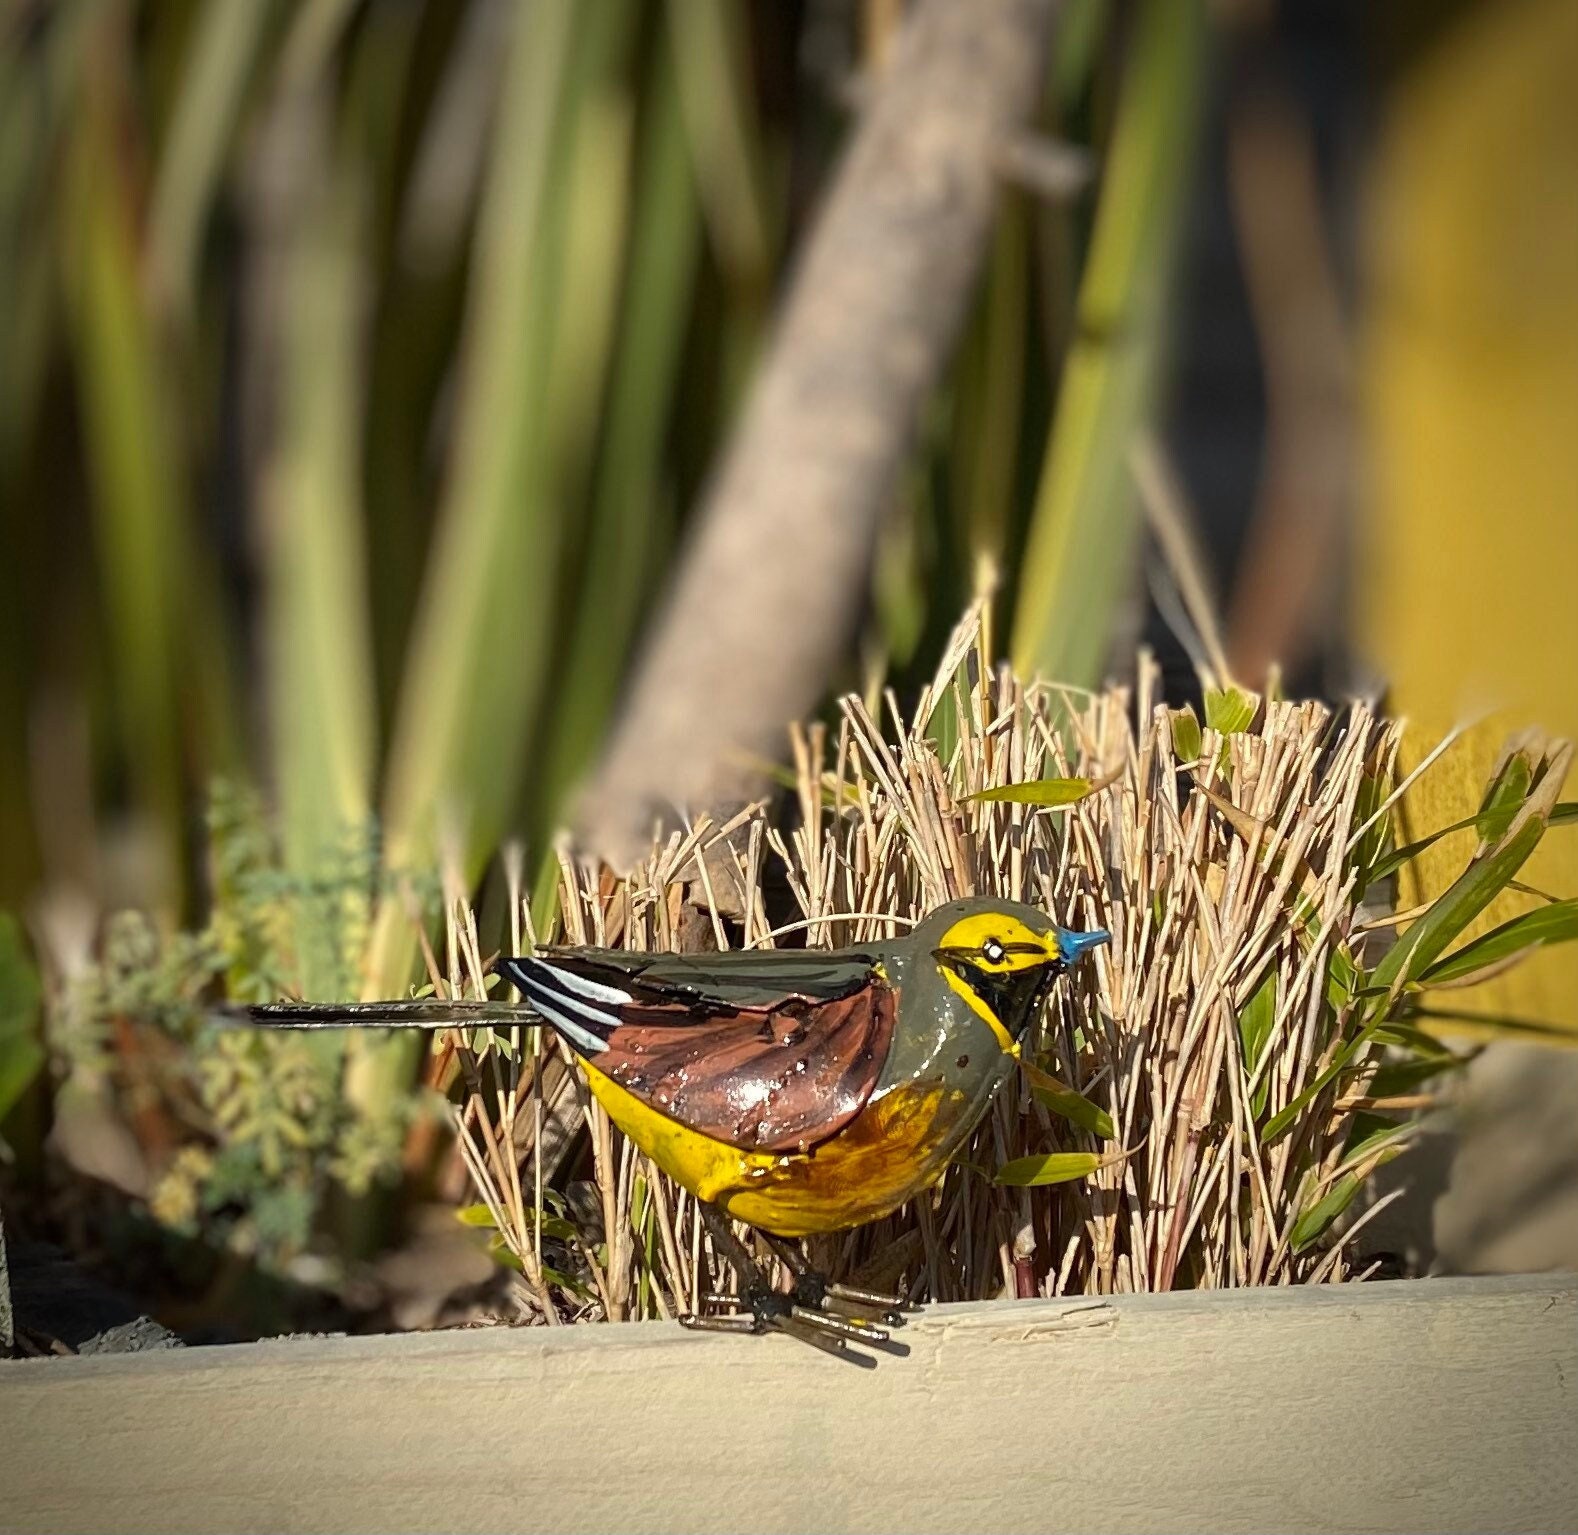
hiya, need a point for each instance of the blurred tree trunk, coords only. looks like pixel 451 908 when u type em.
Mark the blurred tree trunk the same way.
pixel 767 592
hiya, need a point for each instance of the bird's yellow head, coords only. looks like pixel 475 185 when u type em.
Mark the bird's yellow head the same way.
pixel 1003 960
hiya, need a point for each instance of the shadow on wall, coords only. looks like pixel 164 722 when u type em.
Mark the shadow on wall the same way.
pixel 1511 1202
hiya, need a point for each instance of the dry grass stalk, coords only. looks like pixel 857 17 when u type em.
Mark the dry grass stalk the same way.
pixel 1212 875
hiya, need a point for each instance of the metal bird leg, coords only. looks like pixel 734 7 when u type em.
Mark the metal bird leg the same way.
pixel 759 1308
pixel 815 1290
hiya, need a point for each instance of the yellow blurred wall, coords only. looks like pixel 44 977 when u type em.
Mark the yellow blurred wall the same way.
pixel 1469 583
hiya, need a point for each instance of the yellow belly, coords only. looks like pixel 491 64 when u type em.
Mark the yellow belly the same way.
pixel 890 1151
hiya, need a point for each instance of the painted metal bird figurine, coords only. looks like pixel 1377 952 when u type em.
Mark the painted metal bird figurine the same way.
pixel 799 1091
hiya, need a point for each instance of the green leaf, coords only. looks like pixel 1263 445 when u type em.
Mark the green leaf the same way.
pixel 20 1061
pixel 1078 1110
pixel 568 1282
pixel 22 1056
pixel 1557 923
pixel 1254 1029
pixel 1039 791
pixel 1052 1167
pixel 1230 711
pixel 1371 1133
pixel 317 640
pixel 1367 852
pixel 963 1164
pixel 1187 741
pixel 1380 1142
pixel 1284 1117
pixel 1062 1100
pixel 1082 28
pixel 1505 796
pixel 1344 979
pixel 481 1217
pixel 1563 814
pixel 1388 866
pixel 1324 1211
pixel 991 401
pixel 19 988
pixel 1084 530
pixel 1468 895
pixel 711 47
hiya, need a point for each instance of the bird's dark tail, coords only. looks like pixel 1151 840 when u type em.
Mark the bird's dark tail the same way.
pixel 413 1013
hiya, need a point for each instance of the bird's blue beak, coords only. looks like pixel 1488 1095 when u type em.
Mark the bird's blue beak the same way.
pixel 1071 946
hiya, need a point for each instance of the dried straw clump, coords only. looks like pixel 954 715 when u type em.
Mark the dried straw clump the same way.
pixel 1225 881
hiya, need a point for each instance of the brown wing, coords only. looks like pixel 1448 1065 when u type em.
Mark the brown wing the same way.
pixel 776 1081
pixel 770 1078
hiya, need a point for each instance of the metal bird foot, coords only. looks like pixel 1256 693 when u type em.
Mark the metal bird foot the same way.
pixel 814 1291
pixel 839 1319
pixel 840 1333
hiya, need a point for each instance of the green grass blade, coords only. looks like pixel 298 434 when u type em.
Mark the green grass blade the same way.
pixel 1081 33
pixel 1254 1029
pixel 1403 1077
pixel 1377 1142
pixel 1038 791
pixel 622 552
pixel 1314 1220
pixel 1473 890
pixel 21 1051
pixel 1462 901
pixel 1367 853
pixel 213 86
pixel 1505 795
pixel 27 244
pixel 709 54
pixel 992 397
pixel 1052 1167
pixel 1556 923
pixel 1067 1104
pixel 129 423
pixel 1086 522
pixel 489 605
pixel 595 236
pixel 1563 814
pixel 318 638
pixel 1344 979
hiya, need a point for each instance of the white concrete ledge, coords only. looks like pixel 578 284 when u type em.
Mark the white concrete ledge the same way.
pixel 1444 1404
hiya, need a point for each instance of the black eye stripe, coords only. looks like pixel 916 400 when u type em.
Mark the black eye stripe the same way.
pixel 995 951
pixel 958 956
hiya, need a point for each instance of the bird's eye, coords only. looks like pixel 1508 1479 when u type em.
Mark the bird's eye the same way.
pixel 993 951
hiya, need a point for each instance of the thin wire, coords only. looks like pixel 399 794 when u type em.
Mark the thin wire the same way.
pixel 833 916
